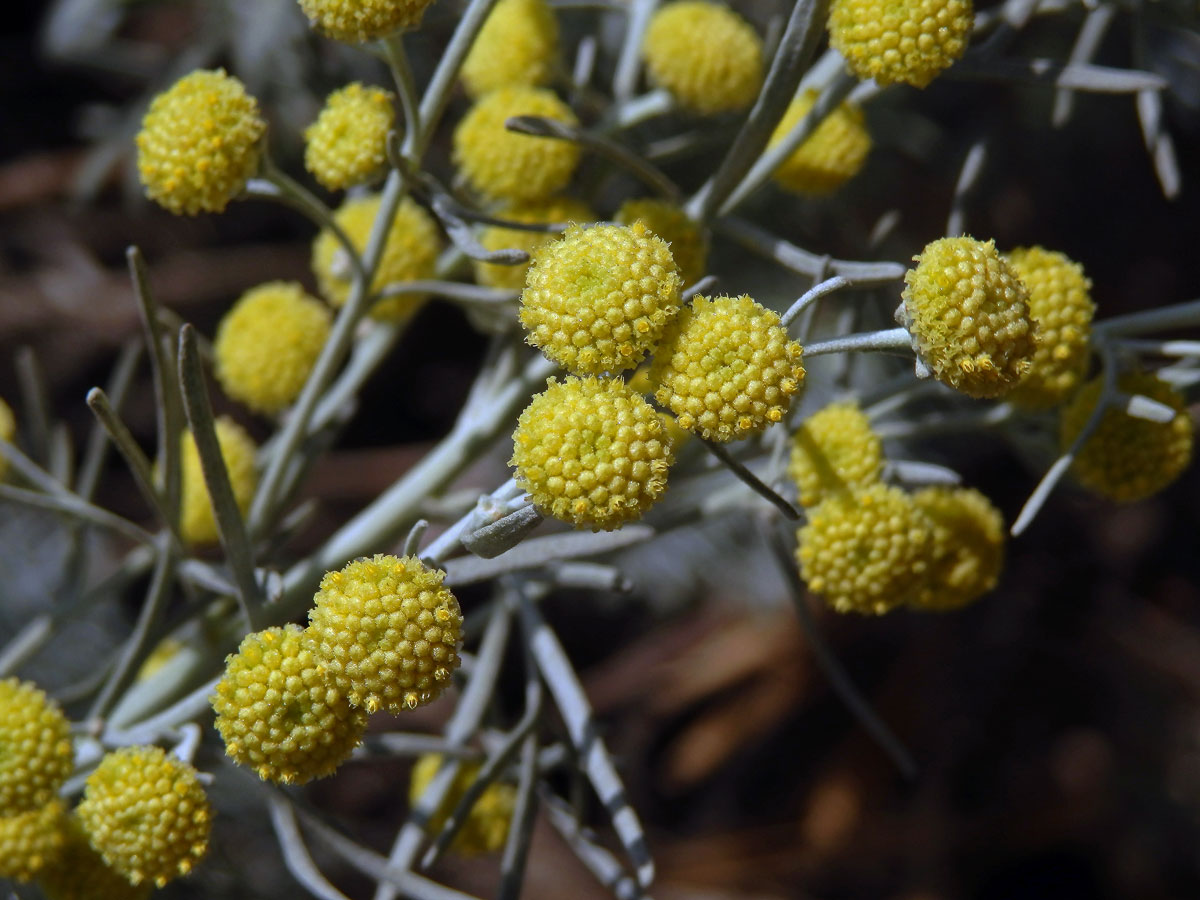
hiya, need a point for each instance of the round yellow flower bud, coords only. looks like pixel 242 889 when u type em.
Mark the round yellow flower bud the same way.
pixel 31 840
pixel 80 873
pixel 503 165
pixel 559 209
pixel 200 143
pixel 830 156
pixel 8 432
pixel 908 41
pixel 833 451
pixel 387 632
pixel 726 368
pixel 706 55
pixel 599 299
pixel 1060 303
pixel 688 242
pixel 35 748
pixel 268 343
pixel 347 144
pixel 968 548
pixel 867 551
pixel 1127 458
pixel 410 254
pixel 146 813
pixel 197 524
pixel 518 45
pixel 278 712
pixel 591 452
pixel 355 21
pixel 969 317
pixel 486 827
pixel 640 383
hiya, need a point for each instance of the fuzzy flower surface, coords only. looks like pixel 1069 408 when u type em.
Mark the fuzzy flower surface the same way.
pixel 1060 303
pixel 197 523
pixel 558 210
pixel 900 41
pixel 969 317
pixel 278 712
pixel 518 45
pixel 592 452
pixel 146 813
pixel 268 343
pixel 726 368
pixel 80 873
pixel 200 143
pixel 834 450
pixel 687 240
pixel 705 54
pixel 30 840
pixel 968 548
pixel 8 432
pixel 1127 458
pixel 347 144
pixel 486 826
pixel 829 157
pixel 504 165
pixel 35 747
pixel 598 300
pixel 409 254
pixel 387 632
pixel 355 21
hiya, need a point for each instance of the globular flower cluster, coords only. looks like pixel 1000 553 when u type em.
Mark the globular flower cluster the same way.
pixel 347 144
pixel 30 840
pixel 200 143
pixel 829 157
pixel 35 748
pixel 387 632
pixel 908 42
pixel 518 45
pixel 554 210
pixel 486 826
pixel 268 343
pixel 503 165
pixel 197 523
pixel 968 314
pixel 8 431
pixel 967 551
pixel 78 872
pixel 726 368
pixel 146 813
pixel 598 300
pixel 1128 458
pixel 592 452
pixel 687 240
pixel 279 714
pixel 355 21
pixel 705 54
pixel 834 450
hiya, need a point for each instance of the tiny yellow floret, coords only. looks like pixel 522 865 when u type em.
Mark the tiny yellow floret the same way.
pixel 504 165
pixel 355 21
pixel 591 452
pixel 8 432
pixel 387 632
pixel 30 841
pixel 35 748
pixel 517 46
pixel 1128 458
pixel 830 156
pixel 197 524
pixel 726 368
pixel 268 343
pixel 687 240
pixel 905 41
pixel 968 314
pixel 80 873
pixel 347 144
pixel 833 451
pixel 706 55
pixel 200 143
pixel 557 210
pixel 146 813
pixel 968 548
pixel 486 826
pixel 410 254
pixel 598 300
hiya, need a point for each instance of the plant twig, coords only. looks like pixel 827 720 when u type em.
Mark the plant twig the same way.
pixel 295 854
pixel 97 443
pixel 751 480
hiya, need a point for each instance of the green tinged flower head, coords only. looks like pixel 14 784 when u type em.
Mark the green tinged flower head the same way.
pixel 146 813
pixel 591 452
pixel 688 242
pixel 830 156
pixel 35 748
pixel 517 46
pixel 8 432
pixel 1128 458
pixel 705 54
pixel 598 300
pixel 486 826
pixel 969 317
pixel 197 524
pixel 280 714
pixel 80 873
pixel 355 21
pixel 30 841
pixel 268 343
pixel 905 41
pixel 834 450
pixel 200 143
pixel 559 209
pixel 504 165
pixel 409 254
pixel 968 548
pixel 347 144
pixel 726 368
pixel 387 632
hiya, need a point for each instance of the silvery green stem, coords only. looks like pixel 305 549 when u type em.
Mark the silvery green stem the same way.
pixel 605 867
pixel 1150 116
pixel 625 74
pixel 36 403
pixel 24 644
pixel 968 177
pixel 888 339
pixel 1087 42
pixel 1076 77
pixel 520 833
pixel 802 261
pixel 295 854
pixel 97 443
pixel 751 480
pixel 537 552
pixel 71 505
pixel 812 295
pixel 635 110
pixel 913 472
pixel 1165 318
pixel 406 88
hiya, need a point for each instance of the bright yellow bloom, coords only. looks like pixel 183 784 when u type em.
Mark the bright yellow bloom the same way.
pixel 347 144
pixel 559 209
pixel 355 21
pixel 35 747
pixel 486 826
pixel 197 524
pixel 8 432
pixel 834 450
pixel 518 45
pixel 687 240
pixel 968 548
pixel 830 156
pixel 30 841
pixel 80 873
pixel 906 41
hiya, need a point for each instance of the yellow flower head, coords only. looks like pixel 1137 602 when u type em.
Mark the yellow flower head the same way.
pixel 355 21
pixel 197 525
pixel 726 368
pixel 30 841
pixel 833 451
pixel 347 145
pixel 486 826
pixel 518 45
pixel 200 143
pixel 560 209
pixel 687 240
pixel 80 873
pixel 410 254
pixel 830 156
pixel 8 431
pixel 906 41
pixel 968 548
pixel 35 748
pixel 706 55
